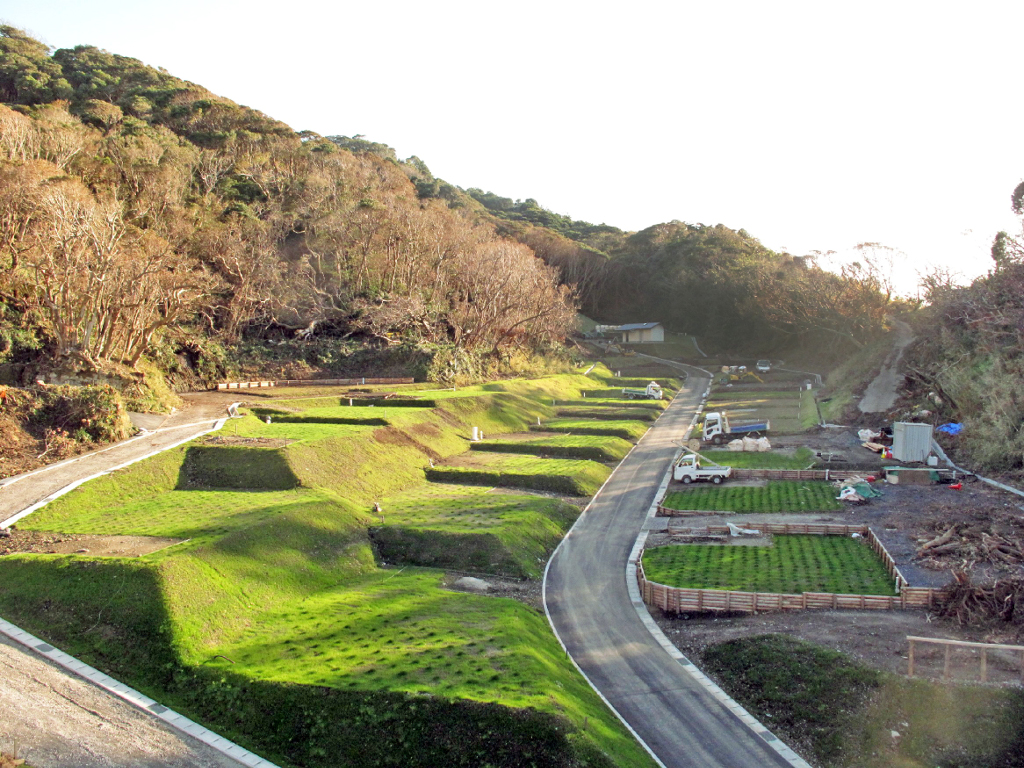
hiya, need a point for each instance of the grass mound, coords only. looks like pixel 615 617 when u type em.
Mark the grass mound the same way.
pixel 627 430
pixel 567 476
pixel 805 690
pixel 208 466
pixel 469 528
pixel 615 414
pixel 793 564
pixel 596 447
pixel 336 661
pixel 776 496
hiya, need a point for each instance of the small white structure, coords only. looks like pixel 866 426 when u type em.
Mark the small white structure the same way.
pixel 911 441
pixel 641 333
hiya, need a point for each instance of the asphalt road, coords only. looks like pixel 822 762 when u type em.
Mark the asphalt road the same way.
pixel 587 598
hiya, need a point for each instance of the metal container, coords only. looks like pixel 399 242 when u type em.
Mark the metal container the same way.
pixel 911 441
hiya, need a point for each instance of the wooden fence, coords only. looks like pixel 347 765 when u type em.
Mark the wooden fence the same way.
pixel 984 648
pixel 312 383
pixel 680 599
pixel 741 473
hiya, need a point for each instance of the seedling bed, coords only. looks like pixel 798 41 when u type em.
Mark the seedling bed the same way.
pixel 792 565
pixel 775 496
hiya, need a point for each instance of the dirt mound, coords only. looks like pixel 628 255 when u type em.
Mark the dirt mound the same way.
pixel 46 543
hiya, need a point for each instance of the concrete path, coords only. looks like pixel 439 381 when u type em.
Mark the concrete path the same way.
pixel 22 491
pixel 588 602
pixel 57 719
pixel 881 393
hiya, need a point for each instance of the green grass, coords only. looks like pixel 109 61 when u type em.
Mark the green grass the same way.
pixel 627 430
pixel 802 459
pixel 798 689
pixel 470 528
pixel 632 414
pixel 597 447
pixel 793 564
pixel 808 410
pixel 851 376
pixel 569 476
pixel 333 655
pixel 776 496
pixel 845 711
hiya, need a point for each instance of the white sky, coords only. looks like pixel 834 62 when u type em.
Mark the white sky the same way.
pixel 811 125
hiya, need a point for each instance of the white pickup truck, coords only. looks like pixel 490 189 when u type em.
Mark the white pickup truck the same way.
pixel 688 469
pixel 652 392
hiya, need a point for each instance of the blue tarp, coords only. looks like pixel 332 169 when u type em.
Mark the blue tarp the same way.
pixel 951 429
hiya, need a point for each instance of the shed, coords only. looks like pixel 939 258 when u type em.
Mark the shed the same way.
pixel 641 333
pixel 911 441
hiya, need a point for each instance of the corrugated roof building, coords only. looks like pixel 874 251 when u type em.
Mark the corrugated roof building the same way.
pixel 641 333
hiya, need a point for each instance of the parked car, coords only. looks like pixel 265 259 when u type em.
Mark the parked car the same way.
pixel 763 366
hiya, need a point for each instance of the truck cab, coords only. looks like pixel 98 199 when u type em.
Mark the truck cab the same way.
pixel 715 426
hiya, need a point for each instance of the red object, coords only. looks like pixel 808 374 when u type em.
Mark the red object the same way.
pixel 871 478
pixel 957 486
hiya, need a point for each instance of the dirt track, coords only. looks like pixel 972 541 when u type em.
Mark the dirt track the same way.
pixel 881 392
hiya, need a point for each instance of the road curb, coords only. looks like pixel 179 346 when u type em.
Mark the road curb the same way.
pixel 756 727
pixel 138 700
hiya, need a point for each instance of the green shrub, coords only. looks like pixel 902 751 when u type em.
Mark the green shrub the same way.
pixel 98 411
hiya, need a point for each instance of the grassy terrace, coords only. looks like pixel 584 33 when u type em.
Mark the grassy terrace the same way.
pixel 597 447
pixel 776 496
pixel 627 430
pixel 793 564
pixel 336 659
pixel 569 476
pixel 790 411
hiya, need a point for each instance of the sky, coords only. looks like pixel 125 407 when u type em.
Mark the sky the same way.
pixel 813 126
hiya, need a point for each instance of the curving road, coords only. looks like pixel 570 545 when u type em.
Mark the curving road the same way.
pixel 588 603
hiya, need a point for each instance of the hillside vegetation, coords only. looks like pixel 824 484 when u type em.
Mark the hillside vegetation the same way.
pixel 968 360
pixel 144 218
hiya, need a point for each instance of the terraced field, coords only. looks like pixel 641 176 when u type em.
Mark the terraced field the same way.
pixel 281 618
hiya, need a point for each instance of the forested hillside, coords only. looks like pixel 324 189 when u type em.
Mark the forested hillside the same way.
pixel 145 221
pixel 968 362
pixel 142 215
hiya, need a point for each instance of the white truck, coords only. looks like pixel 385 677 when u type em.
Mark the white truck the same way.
pixel 653 392
pixel 688 469
pixel 717 428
